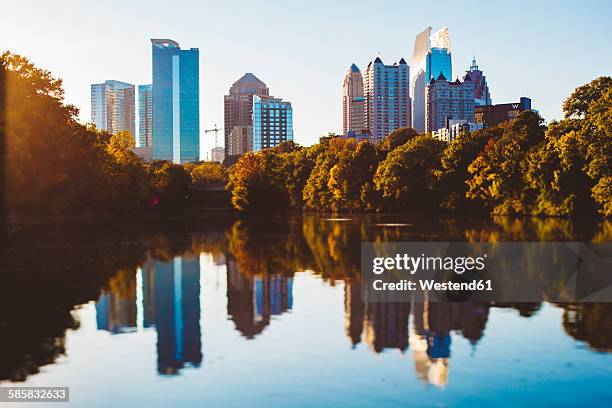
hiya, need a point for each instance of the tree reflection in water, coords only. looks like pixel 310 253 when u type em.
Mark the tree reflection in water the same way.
pixel 47 272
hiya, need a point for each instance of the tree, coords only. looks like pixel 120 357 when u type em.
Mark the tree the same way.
pixel 208 172
pixel 497 173
pixel 396 138
pixel 406 176
pixel 349 177
pixel 52 162
pixel 170 185
pixel 317 195
pixel 454 161
pixel 257 183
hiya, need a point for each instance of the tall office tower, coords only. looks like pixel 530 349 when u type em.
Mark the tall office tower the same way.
pixel 171 303
pixel 431 55
pixel 113 106
pixel 482 97
pixel 272 122
pixel 145 115
pixel 352 101
pixel 387 98
pixel 238 105
pixel 176 102
pixel 240 141
pixel 448 100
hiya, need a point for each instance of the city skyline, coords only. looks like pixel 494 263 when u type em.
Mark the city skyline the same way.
pixel 504 45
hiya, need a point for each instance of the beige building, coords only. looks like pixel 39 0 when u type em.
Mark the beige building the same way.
pixel 238 104
pixel 240 141
pixel 353 101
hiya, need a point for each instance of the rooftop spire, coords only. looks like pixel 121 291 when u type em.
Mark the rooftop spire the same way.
pixel 474 66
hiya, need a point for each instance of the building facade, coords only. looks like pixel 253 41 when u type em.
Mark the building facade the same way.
pixel 387 98
pixel 482 96
pixel 176 102
pixel 113 106
pixel 217 154
pixel 431 56
pixel 446 100
pixel 493 115
pixel 145 115
pixel 240 141
pixel 272 122
pixel 454 128
pixel 353 101
pixel 238 106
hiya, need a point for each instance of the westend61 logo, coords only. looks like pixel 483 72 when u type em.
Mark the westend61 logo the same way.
pixel 486 272
pixel 412 264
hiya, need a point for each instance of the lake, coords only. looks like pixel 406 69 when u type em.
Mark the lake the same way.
pixel 223 312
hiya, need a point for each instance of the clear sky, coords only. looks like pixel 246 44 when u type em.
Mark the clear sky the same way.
pixel 301 49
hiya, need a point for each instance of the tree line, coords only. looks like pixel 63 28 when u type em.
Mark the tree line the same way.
pixel 519 167
pixel 55 165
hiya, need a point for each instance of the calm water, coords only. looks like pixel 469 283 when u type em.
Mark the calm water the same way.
pixel 266 313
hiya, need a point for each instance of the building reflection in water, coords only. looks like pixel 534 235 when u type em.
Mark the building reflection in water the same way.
pixel 116 307
pixel 385 325
pixel 252 300
pixel 170 303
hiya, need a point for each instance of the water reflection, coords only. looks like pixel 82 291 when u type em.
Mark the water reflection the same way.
pixel 152 280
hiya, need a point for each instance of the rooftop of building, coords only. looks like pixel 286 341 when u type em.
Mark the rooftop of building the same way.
pixel 164 43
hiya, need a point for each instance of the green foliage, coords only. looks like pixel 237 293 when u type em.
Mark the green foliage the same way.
pixel 257 183
pixel 497 173
pixel 453 171
pixel 206 173
pixel 405 178
pixel 396 138
pixel 169 184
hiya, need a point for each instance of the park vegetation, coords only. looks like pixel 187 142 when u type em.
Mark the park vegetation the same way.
pixel 55 165
pixel 521 167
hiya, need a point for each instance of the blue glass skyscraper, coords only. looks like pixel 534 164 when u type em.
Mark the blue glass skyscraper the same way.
pixel 176 102
pixel 432 55
pixel 272 122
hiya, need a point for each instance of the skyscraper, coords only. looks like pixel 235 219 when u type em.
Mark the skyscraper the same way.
pixel 113 106
pixel 431 55
pixel 272 122
pixel 145 115
pixel 448 100
pixel 238 106
pixel 387 98
pixel 482 97
pixel 171 302
pixel 176 102
pixel 240 140
pixel 352 101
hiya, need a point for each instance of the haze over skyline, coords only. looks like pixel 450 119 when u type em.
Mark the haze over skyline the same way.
pixel 302 50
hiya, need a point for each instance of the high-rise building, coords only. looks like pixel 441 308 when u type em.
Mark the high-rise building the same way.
pixel 145 115
pixel 171 303
pixel 446 100
pixel 493 115
pixel 217 154
pixel 431 55
pixel 240 141
pixel 238 105
pixel 482 97
pixel 113 106
pixel 353 101
pixel 176 102
pixel 387 98
pixel 272 122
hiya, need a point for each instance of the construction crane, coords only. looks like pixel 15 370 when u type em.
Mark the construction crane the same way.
pixel 216 131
